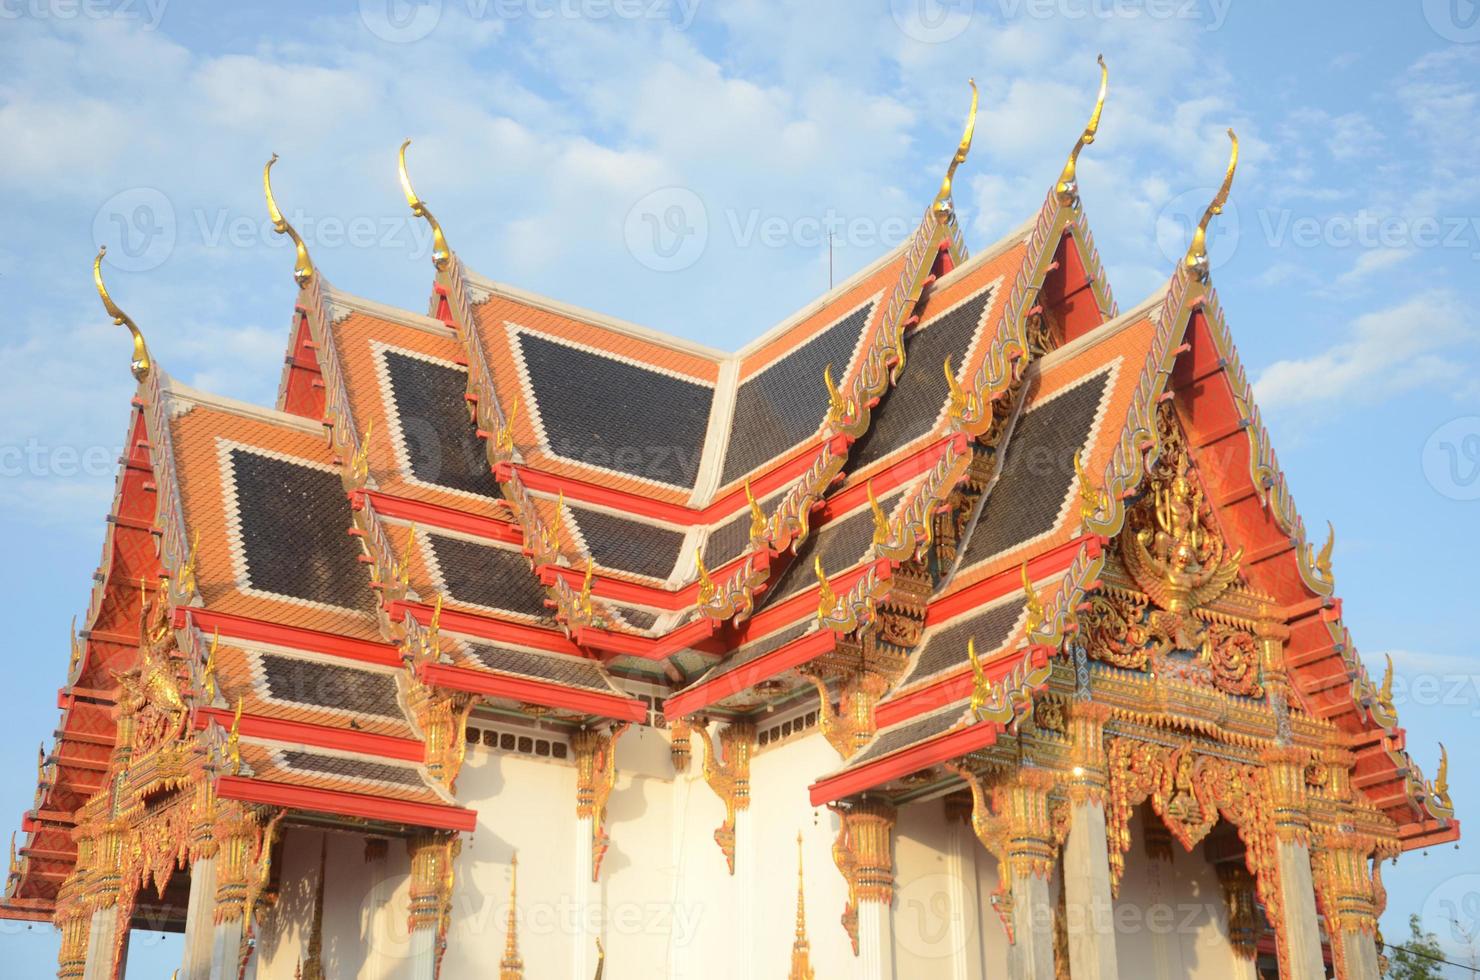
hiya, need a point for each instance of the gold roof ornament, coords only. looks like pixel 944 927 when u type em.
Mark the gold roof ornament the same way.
pixel 943 197
pixel 981 689
pixel 504 438
pixel 881 519
pixel 1091 498
pixel 827 599
pixel 1067 188
pixel 511 967
pixel 801 950
pixel 140 364
pixel 1385 693
pixel 757 516
pixel 1323 560
pixel 1197 251
pixel 234 741
pixel 706 584
pixel 837 402
pixel 1031 605
pixel 584 601
pixel 208 670
pixel 302 265
pixel 440 252
pixel 1441 779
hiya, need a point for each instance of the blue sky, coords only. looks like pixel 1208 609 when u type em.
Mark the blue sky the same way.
pixel 565 143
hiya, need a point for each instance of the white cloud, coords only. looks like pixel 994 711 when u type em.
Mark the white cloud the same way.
pixel 1389 350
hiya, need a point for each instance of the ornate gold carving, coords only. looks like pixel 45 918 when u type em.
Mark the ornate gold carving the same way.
pixel 851 726
pixel 596 775
pixel 302 266
pixel 727 771
pixel 1093 500
pixel 141 363
pixel 311 965
pixel 1067 189
pixel 1239 897
pixel 433 877
pixel 864 855
pixel 679 747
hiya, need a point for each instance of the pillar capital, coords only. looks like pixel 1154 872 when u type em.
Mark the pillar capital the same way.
pixel 1286 767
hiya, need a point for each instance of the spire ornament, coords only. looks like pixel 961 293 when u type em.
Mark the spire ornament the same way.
pixel 303 265
pixel 1067 188
pixel 801 950
pixel 511 967
pixel 1197 251
pixel 440 252
pixel 141 363
pixel 757 517
pixel 943 202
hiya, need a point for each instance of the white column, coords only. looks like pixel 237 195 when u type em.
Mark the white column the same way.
pixel 1361 955
pixel 1298 896
pixel 1030 957
pixel 421 946
pixel 198 914
pixel 583 943
pixel 101 936
pixel 1088 905
pixel 226 949
pixel 745 893
pixel 965 933
pixel 875 942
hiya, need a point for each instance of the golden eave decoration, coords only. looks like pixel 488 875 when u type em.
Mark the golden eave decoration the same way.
pixel 440 252
pixel 1067 188
pixel 943 197
pixel 302 265
pixel 141 363
pixel 1197 251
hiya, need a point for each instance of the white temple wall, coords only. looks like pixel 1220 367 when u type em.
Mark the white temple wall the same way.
pixel 1170 918
pixel 938 931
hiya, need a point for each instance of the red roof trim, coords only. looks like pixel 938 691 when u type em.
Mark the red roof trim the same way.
pixel 948 746
pixel 437 516
pixel 318 736
pixel 486 627
pixel 533 691
pixel 295 637
pixel 793 654
pixel 342 803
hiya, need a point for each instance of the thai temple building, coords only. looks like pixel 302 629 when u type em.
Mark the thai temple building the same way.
pixel 981 598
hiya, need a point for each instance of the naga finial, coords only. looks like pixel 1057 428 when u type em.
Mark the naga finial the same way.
pixel 1197 251
pixel 440 252
pixel 233 740
pixel 1067 188
pixel 961 401
pixel 1090 496
pixel 980 688
pixel 757 517
pixel 504 438
pixel 1441 779
pixel 1323 560
pixel 943 197
pixel 827 599
pixel 141 364
pixel 881 519
pixel 1385 692
pixel 837 402
pixel 706 584
pixel 1031 604
pixel 303 265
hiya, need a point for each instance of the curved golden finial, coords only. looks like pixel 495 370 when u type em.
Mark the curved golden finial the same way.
pixel 1067 188
pixel 1031 604
pixel 1385 692
pixel 757 517
pixel 707 587
pixel 1441 779
pixel 837 402
pixel 141 364
pixel 827 599
pixel 1323 560
pixel 233 740
pixel 943 197
pixel 1197 251
pixel 440 252
pixel 981 690
pixel 302 266
pixel 881 519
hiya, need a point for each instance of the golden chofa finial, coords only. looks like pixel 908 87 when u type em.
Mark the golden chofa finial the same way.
pixel 1441 779
pixel 1197 252
pixel 302 267
pixel 440 252
pixel 1067 188
pixel 141 363
pixel 943 198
